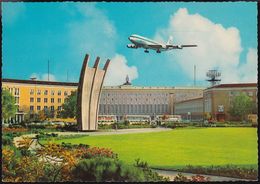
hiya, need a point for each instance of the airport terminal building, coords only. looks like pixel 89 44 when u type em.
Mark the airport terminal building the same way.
pixel 126 99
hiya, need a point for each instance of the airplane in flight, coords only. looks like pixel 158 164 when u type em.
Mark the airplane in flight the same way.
pixel 146 43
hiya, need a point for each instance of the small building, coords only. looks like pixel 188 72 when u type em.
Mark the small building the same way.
pixel 217 99
pixel 191 109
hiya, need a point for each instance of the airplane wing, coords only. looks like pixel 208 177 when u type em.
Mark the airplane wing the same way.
pixel 155 46
pixel 179 46
pixel 188 45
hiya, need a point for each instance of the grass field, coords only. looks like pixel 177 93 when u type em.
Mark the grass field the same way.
pixel 180 147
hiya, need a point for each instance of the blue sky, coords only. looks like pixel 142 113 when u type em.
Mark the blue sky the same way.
pixel 226 34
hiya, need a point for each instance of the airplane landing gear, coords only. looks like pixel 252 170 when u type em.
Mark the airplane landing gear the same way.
pixel 158 51
pixel 146 51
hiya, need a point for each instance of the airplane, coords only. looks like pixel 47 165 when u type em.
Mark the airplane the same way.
pixel 146 43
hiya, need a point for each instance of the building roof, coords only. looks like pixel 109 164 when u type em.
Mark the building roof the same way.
pixel 237 85
pixel 75 84
pixel 40 82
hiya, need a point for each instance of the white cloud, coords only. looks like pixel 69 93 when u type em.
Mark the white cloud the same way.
pixel 218 47
pixel 43 77
pixel 117 71
pixel 248 70
pixel 96 35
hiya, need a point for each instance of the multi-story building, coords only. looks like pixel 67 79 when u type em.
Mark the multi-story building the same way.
pixel 218 99
pixel 33 96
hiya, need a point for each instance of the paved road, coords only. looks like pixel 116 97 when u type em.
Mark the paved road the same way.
pixel 119 131
pixel 172 174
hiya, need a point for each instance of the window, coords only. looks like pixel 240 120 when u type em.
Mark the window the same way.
pixel 52 92
pixel 45 108
pixel 52 100
pixel 59 92
pixel 250 93
pixel 16 91
pixel 38 108
pixel 52 108
pixel 59 100
pixel 65 93
pixel 46 92
pixel 31 108
pixel 17 100
pixel 45 100
pixel 38 99
pixel 38 92
pixel 31 99
pixel 59 108
pixel 31 92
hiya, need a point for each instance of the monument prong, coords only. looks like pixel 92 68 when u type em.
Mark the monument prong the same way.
pixel 96 62
pixel 106 65
pixel 89 90
pixel 86 59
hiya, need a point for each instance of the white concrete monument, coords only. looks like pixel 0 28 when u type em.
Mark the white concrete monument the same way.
pixel 89 90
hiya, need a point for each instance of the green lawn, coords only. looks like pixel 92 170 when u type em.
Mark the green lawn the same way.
pixel 179 147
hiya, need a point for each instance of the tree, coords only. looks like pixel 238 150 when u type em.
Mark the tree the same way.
pixel 69 108
pixel 8 104
pixel 241 106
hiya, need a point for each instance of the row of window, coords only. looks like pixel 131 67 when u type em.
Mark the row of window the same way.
pixel 45 100
pixel 15 91
pixel 45 108
pixel 45 92
pixel 249 93
pixel 132 109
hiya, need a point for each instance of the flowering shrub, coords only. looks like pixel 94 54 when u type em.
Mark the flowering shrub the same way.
pixel 197 178
pixel 97 152
pixel 6 129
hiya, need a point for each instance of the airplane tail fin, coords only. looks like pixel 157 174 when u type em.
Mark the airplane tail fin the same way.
pixel 170 40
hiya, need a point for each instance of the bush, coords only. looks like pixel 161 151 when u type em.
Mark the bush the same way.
pixel 149 174
pixel 43 135
pixel 174 125
pixel 7 140
pixel 76 146
pixel 70 127
pixel 98 152
pixel 31 126
pixel 228 171
pixel 106 169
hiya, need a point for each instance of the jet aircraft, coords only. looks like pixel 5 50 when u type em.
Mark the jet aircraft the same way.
pixel 146 43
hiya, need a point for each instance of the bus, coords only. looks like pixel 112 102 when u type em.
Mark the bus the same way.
pixel 138 119
pixel 107 119
pixel 168 118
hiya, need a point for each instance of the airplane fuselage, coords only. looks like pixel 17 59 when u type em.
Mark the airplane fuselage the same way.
pixel 144 42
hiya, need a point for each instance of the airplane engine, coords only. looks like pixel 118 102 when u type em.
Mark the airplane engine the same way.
pixel 131 46
pixel 179 47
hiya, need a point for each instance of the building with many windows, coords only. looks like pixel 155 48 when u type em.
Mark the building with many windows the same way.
pixel 33 96
pixel 217 100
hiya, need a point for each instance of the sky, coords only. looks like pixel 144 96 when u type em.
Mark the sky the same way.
pixel 63 32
